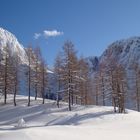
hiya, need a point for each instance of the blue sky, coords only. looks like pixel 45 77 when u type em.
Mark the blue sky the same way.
pixel 90 24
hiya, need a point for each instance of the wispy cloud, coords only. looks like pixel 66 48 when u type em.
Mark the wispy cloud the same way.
pixel 48 33
pixel 52 33
pixel 37 35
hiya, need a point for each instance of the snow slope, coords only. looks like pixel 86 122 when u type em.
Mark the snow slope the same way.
pixel 125 52
pixel 47 122
pixel 7 38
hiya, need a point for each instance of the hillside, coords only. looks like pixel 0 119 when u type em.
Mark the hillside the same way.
pixel 125 52
pixel 49 122
pixel 8 39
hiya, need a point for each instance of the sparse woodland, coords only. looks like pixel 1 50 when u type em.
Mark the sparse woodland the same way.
pixel 75 84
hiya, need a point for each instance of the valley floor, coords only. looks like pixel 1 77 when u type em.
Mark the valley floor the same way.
pixel 47 122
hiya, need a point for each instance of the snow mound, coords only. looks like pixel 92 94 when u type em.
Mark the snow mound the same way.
pixel 21 123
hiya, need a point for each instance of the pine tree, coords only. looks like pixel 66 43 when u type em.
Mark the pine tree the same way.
pixel 113 82
pixel 118 88
pixel 102 77
pixel 6 73
pixel 95 90
pixel 29 72
pixel 37 59
pixel 43 78
pixel 58 71
pixel 16 75
pixel 1 74
pixel 69 69
pixel 137 85
pixel 84 81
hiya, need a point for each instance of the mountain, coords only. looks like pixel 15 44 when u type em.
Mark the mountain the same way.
pixel 93 62
pixel 125 52
pixel 8 39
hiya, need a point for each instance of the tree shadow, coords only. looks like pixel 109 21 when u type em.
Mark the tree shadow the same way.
pixel 76 119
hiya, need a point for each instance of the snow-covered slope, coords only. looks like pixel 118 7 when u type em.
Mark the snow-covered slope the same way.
pixel 8 39
pixel 126 52
pixel 93 62
pixel 48 122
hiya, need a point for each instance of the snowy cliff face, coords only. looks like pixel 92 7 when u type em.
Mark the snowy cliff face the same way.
pixel 8 39
pixel 93 62
pixel 125 52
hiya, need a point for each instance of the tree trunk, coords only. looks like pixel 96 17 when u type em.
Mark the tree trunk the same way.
pixel 29 86
pixel 137 95
pixel 15 94
pixel 5 83
pixel 36 92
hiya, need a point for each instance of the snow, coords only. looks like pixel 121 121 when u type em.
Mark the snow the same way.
pixel 7 38
pixel 127 53
pixel 21 123
pixel 49 71
pixel 48 122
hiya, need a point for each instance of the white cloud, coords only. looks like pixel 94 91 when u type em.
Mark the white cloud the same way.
pixel 37 35
pixel 52 33
pixel 48 33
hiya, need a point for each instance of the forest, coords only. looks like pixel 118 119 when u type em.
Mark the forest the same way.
pixel 74 82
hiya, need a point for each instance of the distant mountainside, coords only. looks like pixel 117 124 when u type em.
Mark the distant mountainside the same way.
pixel 125 52
pixel 8 39
pixel 93 62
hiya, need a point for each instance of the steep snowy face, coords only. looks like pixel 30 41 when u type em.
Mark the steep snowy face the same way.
pixel 8 39
pixel 93 62
pixel 125 52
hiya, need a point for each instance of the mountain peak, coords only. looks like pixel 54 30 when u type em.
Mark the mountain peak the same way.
pixel 7 38
pixel 125 52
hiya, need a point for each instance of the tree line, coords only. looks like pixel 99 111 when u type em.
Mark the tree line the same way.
pixel 70 71
pixel 12 71
pixel 115 85
pixel 75 84
pixel 73 77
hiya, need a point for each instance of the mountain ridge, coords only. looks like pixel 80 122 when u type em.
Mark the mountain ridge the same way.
pixel 10 40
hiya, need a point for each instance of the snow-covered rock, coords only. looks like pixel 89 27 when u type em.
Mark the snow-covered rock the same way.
pixel 21 123
pixel 93 62
pixel 8 39
pixel 125 52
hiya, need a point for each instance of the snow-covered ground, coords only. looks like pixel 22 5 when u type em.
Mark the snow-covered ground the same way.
pixel 47 122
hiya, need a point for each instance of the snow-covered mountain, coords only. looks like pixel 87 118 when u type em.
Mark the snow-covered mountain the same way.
pixel 8 39
pixel 125 52
pixel 93 62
